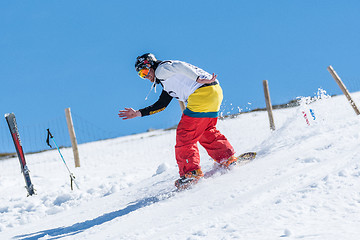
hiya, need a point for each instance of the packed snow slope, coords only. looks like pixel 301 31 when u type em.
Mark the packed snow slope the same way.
pixel 304 184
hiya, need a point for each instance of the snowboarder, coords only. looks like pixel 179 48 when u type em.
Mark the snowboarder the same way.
pixel 203 95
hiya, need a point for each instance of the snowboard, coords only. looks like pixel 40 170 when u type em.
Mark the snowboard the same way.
pixel 242 159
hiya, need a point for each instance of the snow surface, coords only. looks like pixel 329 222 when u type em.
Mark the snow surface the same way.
pixel 304 184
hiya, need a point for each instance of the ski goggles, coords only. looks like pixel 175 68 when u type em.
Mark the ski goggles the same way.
pixel 144 72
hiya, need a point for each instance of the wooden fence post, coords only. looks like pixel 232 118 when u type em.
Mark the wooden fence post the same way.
pixel 268 104
pixel 182 106
pixel 72 137
pixel 343 88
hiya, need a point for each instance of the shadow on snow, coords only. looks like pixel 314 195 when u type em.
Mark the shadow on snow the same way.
pixel 76 228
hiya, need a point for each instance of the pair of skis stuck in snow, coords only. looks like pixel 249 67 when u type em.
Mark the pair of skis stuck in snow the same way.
pixel 14 131
pixel 11 121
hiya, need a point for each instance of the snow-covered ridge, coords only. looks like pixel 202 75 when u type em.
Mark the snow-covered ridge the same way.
pixel 304 184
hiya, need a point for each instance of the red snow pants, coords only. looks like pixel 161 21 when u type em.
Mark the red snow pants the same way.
pixel 203 130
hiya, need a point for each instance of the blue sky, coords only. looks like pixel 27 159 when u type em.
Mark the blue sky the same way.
pixel 81 54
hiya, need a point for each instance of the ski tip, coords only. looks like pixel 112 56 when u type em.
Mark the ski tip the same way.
pixel 9 114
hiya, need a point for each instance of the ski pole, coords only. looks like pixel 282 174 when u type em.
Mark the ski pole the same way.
pixel 72 177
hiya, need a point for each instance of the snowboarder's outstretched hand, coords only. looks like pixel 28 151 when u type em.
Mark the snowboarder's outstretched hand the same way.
pixel 207 81
pixel 129 113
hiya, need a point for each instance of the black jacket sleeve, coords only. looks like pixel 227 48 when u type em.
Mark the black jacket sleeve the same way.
pixel 158 106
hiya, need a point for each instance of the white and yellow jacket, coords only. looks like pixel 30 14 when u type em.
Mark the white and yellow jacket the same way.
pixel 179 81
